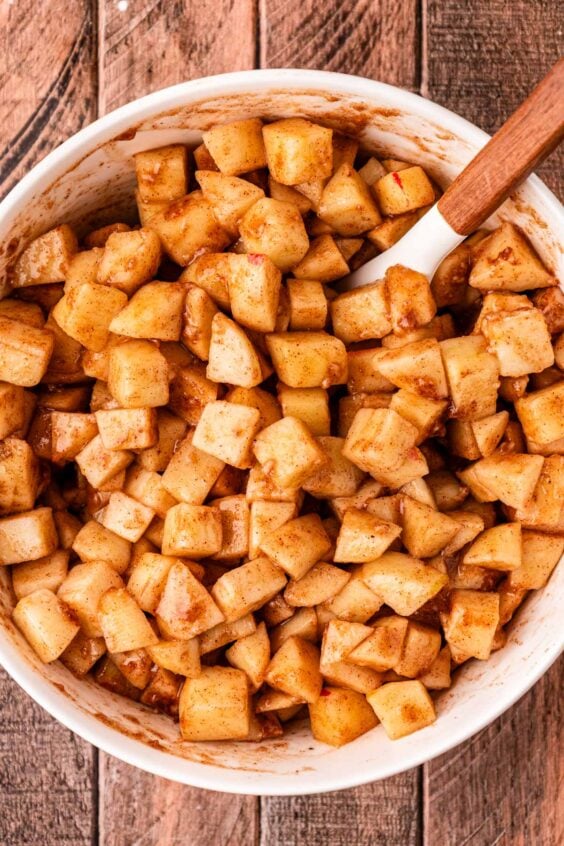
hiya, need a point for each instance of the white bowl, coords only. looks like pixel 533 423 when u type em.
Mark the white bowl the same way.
pixel 90 178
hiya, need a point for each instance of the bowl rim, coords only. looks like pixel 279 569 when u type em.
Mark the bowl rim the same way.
pixel 40 177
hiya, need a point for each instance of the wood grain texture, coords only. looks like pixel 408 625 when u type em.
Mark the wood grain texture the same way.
pixel 373 38
pixel 501 788
pixel 45 94
pixel 381 814
pixel 141 810
pixel 504 786
pixel 149 44
pixel 47 776
pixel 481 59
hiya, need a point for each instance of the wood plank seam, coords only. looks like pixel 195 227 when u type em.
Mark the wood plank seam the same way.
pixel 22 142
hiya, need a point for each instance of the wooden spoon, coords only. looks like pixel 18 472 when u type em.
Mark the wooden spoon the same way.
pixel 523 142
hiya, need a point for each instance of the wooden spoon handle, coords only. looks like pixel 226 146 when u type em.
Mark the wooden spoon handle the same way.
pixel 527 138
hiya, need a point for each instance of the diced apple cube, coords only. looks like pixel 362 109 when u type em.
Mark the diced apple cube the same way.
pixel 402 707
pixel 46 623
pixel 171 430
pixel 298 150
pixel 308 359
pixel 147 580
pixel 303 623
pixel 294 669
pixel 288 452
pixel 362 314
pixel 82 590
pixel 472 621
pixel 339 716
pixel 254 291
pixel 99 465
pixel 338 476
pixel 416 367
pixel 45 573
pixel 472 374
pixel 383 647
pixel 320 584
pixel 25 352
pixel 27 536
pixel 323 261
pixel 425 530
pixel 199 312
pixel 311 405
pixel 520 340
pixel 154 311
pixel 252 655
pixel 129 260
pixel 510 478
pixel 363 537
pixel 226 431
pixel 185 608
pixel 235 520
pixel 275 229
pixel 215 705
pixel 540 555
pixel 46 259
pixel 308 304
pixel 541 414
pixel 420 648
pixel 193 531
pixel 237 147
pixel 162 173
pixel 230 197
pixel 355 603
pixel 94 542
pixel 138 375
pixel 19 476
pixel 498 548
pixel 147 487
pixel 244 589
pixel 181 657
pixel 232 356
pixel 187 228
pixel 191 473
pixel 379 441
pixel 347 204
pixel 126 517
pixel 506 262
pixel 398 193
pixel 82 653
pixel 226 632
pixel 404 583
pixel 410 299
pixel 544 511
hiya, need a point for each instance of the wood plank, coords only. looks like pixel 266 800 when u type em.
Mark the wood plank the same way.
pixel 47 776
pixel 385 813
pixel 45 94
pixel 379 39
pixel 482 59
pixel 502 786
pixel 141 810
pixel 146 45
pixel 373 38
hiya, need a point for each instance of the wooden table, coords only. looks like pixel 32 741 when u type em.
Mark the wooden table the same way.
pixel 63 64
